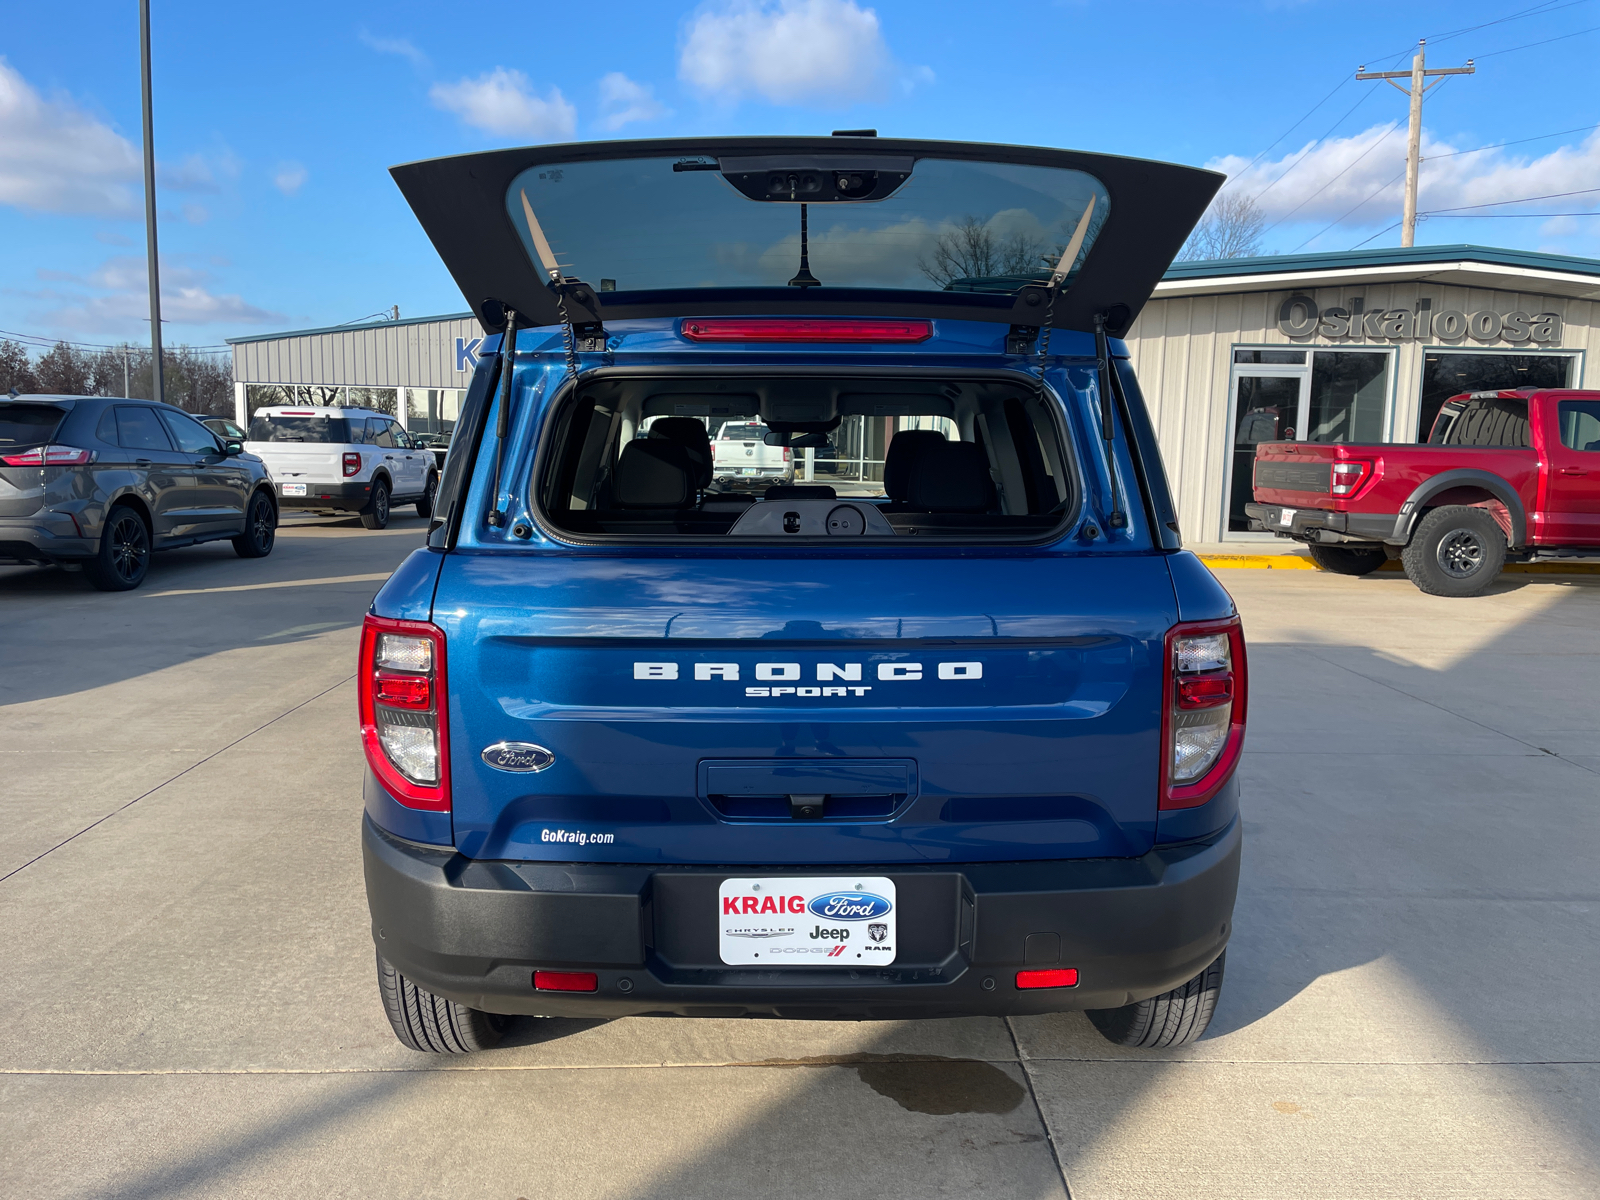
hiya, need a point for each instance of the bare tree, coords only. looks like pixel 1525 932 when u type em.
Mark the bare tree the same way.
pixel 1232 228
pixel 64 371
pixel 971 250
pixel 16 368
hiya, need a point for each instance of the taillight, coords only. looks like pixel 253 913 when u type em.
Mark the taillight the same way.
pixel 786 453
pixel 49 456
pixel 1203 710
pixel 401 684
pixel 352 464
pixel 764 329
pixel 1349 476
pixel 1054 977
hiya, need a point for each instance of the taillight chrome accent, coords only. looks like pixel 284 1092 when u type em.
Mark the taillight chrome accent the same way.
pixel 352 464
pixel 1203 710
pixel 404 723
pixel 1349 476
pixel 50 456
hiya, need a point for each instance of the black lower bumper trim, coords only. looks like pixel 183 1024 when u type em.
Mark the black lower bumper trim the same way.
pixel 475 931
pixel 1323 525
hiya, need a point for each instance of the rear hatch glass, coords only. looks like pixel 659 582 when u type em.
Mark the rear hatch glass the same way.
pixel 929 456
pixel 310 428
pixel 24 425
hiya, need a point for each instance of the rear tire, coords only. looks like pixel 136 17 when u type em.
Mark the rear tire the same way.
pixel 376 514
pixel 425 505
pixel 260 528
pixel 124 556
pixel 1456 551
pixel 1173 1018
pixel 432 1024
pixel 1347 560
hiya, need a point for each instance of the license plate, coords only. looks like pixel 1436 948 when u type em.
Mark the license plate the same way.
pixel 1286 517
pixel 294 489
pixel 747 470
pixel 837 921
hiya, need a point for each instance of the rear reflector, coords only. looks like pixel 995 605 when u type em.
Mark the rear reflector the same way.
pixel 1053 978
pixel 566 981
pixel 406 691
pixel 778 330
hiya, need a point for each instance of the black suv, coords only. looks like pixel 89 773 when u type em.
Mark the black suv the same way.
pixel 102 483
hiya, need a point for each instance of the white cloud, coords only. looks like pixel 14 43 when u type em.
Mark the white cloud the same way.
pixel 57 158
pixel 114 299
pixel 828 53
pixel 502 102
pixel 397 46
pixel 623 101
pixel 1322 182
pixel 289 177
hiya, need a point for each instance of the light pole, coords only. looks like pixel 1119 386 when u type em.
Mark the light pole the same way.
pixel 150 202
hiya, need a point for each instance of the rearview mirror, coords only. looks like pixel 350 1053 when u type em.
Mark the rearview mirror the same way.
pixel 797 441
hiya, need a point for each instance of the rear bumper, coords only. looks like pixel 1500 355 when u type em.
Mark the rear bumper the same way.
pixel 1323 526
pixel 474 931
pixel 44 537
pixel 347 497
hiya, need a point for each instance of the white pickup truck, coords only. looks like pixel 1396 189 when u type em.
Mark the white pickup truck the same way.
pixel 739 455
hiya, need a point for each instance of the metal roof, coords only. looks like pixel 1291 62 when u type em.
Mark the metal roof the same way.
pixel 1462 266
pixel 357 327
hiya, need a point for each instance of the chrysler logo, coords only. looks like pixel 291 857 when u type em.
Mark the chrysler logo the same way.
pixel 517 756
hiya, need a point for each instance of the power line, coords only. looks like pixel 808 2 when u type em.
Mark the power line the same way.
pixel 1334 180
pixel 1522 200
pixel 1546 42
pixel 1502 145
pixel 38 339
pixel 1288 131
pixel 1367 96
pixel 1512 216
pixel 1370 195
pixel 1380 233
pixel 1538 10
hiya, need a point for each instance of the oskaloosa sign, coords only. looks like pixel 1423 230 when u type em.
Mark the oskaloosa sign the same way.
pixel 1299 317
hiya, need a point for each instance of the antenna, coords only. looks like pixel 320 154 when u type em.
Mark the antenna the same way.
pixel 803 277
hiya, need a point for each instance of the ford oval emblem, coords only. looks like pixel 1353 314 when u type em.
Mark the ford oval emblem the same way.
pixel 517 756
pixel 849 906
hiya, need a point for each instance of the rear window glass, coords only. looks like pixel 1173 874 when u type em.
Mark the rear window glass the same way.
pixel 28 424
pixel 637 459
pixel 333 430
pixel 1494 421
pixel 877 221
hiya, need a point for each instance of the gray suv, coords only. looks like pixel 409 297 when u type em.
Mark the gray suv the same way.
pixel 102 483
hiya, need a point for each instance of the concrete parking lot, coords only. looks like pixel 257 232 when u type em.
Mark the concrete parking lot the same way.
pixel 188 974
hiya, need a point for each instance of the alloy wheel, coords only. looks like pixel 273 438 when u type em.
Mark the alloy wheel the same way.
pixel 130 546
pixel 1461 553
pixel 261 526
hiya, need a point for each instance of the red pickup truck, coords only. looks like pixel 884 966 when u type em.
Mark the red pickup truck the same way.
pixel 1503 475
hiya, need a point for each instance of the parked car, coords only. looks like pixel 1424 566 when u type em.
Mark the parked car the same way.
pixel 740 455
pixel 966 746
pixel 97 483
pixel 438 443
pixel 225 429
pixel 1504 475
pixel 344 460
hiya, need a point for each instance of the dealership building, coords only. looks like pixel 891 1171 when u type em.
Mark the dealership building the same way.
pixel 1352 346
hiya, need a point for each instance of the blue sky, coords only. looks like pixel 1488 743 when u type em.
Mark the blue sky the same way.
pixel 275 124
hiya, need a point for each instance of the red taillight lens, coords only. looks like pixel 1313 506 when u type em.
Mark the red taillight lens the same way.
pixel 786 453
pixel 401 694
pixel 352 464
pixel 1203 713
pixel 1053 978
pixel 49 456
pixel 566 981
pixel 1349 476
pixel 703 329
pixel 404 691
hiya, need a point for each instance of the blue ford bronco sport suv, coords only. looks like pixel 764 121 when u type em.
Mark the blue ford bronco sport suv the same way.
pixel 952 733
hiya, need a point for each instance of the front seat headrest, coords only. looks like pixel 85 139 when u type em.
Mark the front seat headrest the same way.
pixel 901 458
pixel 952 478
pixel 654 473
pixel 692 436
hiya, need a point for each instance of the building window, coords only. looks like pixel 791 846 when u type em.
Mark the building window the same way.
pixel 1450 374
pixel 433 411
pixel 277 395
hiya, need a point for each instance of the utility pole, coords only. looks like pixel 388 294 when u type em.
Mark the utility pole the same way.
pixel 150 202
pixel 1408 225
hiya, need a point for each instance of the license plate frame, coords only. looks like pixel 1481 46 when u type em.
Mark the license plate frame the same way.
pixel 293 489
pixel 1286 517
pixel 846 921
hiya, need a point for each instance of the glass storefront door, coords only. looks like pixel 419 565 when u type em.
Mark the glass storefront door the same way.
pixel 1301 395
